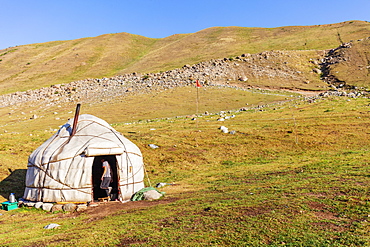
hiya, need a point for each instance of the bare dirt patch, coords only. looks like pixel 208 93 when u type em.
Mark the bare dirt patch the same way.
pixel 104 209
pixel 317 205
pixel 306 93
pixel 329 225
pixel 108 208
pixel 255 211
pixel 321 211
pixel 130 241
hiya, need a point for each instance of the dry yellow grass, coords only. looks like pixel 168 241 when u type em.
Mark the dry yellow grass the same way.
pixel 37 65
pixel 289 168
pixel 292 173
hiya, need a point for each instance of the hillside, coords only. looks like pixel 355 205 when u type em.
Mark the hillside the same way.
pixel 59 62
pixel 348 66
pixel 292 170
pixel 294 173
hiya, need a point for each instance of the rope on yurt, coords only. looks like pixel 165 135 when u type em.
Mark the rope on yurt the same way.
pixel 130 162
pixel 147 176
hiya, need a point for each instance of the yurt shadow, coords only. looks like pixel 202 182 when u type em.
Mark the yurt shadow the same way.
pixel 14 183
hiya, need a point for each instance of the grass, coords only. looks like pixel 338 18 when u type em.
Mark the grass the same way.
pixel 294 174
pixel 41 65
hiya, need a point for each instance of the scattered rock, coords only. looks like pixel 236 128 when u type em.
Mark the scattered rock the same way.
pixel 317 71
pixel 215 72
pixel 56 208
pixel 29 204
pixel 159 185
pixel 81 207
pixel 152 195
pixel 243 78
pixel 153 146
pixel 69 207
pixel 51 226
pixel 224 129
pixel 38 204
pixel 47 206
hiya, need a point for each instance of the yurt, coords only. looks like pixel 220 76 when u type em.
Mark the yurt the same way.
pixel 68 167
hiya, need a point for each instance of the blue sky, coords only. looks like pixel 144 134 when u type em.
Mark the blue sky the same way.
pixel 26 22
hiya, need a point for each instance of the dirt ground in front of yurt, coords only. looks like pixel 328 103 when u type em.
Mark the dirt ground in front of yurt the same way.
pixel 104 209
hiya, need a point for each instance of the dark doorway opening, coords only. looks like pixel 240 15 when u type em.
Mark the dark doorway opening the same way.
pixel 97 171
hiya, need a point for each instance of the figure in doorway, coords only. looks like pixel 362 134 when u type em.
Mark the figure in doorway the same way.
pixel 106 178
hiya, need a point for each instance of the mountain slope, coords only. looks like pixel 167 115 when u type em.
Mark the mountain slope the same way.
pixel 38 65
pixel 348 66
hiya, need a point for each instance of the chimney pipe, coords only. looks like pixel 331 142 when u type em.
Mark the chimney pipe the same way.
pixel 75 120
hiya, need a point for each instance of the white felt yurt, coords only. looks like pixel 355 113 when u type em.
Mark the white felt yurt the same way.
pixel 67 167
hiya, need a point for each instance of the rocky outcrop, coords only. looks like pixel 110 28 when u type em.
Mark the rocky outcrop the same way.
pixel 275 66
pixel 347 66
pixel 214 72
pixel 333 56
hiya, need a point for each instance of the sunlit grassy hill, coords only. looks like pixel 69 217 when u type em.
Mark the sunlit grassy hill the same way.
pixel 351 66
pixel 292 171
pixel 38 65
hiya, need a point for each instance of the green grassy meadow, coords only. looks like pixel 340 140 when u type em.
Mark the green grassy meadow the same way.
pixel 295 173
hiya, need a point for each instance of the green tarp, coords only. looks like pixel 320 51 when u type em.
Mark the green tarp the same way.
pixel 138 196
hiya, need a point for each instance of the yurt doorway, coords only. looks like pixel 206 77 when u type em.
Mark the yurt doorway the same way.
pixel 97 172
